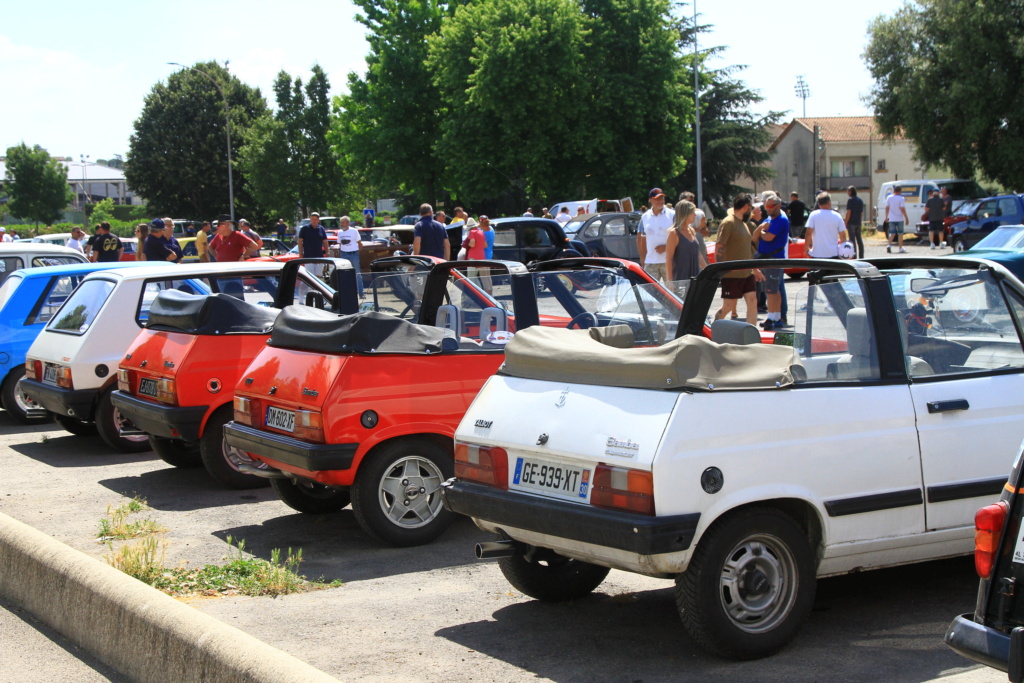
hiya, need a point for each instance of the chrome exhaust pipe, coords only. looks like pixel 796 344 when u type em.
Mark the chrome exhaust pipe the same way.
pixel 493 550
pixel 259 472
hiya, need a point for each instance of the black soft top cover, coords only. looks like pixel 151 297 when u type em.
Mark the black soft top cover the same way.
pixel 310 329
pixel 210 314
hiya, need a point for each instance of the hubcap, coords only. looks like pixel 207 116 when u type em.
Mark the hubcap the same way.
pixel 758 584
pixel 410 492
pixel 24 403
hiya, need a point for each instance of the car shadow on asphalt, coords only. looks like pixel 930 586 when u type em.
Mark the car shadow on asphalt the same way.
pixel 184 489
pixel 8 425
pixel 853 633
pixel 334 547
pixel 77 451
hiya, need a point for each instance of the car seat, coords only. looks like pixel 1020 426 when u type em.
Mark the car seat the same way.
pixel 734 332
pixel 492 319
pixel 234 288
pixel 449 317
pixel 861 362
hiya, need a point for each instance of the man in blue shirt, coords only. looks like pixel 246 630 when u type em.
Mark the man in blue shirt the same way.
pixel 429 237
pixel 312 238
pixel 772 237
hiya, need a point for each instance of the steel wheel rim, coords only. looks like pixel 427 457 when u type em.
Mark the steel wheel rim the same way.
pixel 409 493
pixel 960 247
pixel 24 403
pixel 235 457
pixel 758 584
pixel 119 424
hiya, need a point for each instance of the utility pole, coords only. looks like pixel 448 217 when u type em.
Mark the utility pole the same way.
pixel 696 96
pixel 803 91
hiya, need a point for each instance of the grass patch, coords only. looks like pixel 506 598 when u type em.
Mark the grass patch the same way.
pixel 115 526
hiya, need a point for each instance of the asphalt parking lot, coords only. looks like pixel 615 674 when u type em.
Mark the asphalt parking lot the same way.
pixel 435 614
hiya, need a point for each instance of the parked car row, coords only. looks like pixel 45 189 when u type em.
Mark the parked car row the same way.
pixel 577 409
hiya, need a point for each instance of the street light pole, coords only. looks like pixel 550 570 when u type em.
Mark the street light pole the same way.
pixel 227 119
pixel 696 95
pixel 82 203
pixel 871 166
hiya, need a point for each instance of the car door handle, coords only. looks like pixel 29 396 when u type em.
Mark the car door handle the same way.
pixel 946 406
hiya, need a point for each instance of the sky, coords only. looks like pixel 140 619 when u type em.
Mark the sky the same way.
pixel 74 75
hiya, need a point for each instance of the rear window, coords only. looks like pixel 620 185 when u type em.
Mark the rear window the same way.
pixel 78 312
pixel 58 291
pixel 8 286
pixel 154 287
pixel 40 261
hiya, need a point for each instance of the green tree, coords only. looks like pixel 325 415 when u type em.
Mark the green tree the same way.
pixel 388 123
pixel 946 77
pixel 512 74
pixel 177 153
pixel 36 185
pixel 265 160
pixel 734 142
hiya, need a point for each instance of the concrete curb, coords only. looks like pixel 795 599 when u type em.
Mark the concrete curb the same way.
pixel 139 631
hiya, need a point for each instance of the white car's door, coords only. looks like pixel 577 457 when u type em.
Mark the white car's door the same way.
pixel 969 392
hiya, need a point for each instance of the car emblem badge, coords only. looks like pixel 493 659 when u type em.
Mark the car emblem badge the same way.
pixel 484 424
pixel 168 364
pixel 273 390
pixel 309 392
pixel 561 399
pixel 248 380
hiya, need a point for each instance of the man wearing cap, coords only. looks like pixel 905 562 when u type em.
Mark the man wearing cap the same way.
pixel 156 248
pixel 230 244
pixel 312 238
pixel 653 234
pixel 4 237
pixel 107 246
pixel 429 237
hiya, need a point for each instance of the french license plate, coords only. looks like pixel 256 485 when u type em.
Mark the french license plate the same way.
pixel 552 479
pixel 50 374
pixel 147 387
pixel 280 419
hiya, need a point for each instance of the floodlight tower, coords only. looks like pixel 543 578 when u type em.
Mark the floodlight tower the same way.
pixel 803 91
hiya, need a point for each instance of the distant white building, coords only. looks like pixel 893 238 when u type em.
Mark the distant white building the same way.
pixel 92 182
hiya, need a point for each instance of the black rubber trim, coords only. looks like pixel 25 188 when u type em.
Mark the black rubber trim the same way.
pixel 873 503
pixel 966 489
pixel 947 406
pixel 585 523
pixel 979 642
pixel 312 457
pixel 170 422
pixel 76 403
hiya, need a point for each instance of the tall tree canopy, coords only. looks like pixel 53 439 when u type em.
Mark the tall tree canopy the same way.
pixel 36 185
pixel 177 157
pixel 388 123
pixel 946 76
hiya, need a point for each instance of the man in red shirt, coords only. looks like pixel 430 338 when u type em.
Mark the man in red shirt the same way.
pixel 229 245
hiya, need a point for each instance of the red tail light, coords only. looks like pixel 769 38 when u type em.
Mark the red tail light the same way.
pixel 482 464
pixel 988 529
pixel 309 426
pixel 34 369
pixel 621 488
pixel 243 411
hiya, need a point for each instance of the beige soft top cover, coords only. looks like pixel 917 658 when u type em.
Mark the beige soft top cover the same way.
pixel 690 362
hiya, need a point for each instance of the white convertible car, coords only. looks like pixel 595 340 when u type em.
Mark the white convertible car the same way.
pixel 866 437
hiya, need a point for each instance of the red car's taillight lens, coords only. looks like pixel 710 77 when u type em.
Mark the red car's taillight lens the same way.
pixel 621 488
pixel 309 426
pixel 481 464
pixel 34 369
pixel 124 380
pixel 243 411
pixel 988 529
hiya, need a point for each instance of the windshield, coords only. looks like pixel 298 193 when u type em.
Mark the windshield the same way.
pixel 962 189
pixel 78 312
pixel 1006 237
pixel 398 294
pixel 966 209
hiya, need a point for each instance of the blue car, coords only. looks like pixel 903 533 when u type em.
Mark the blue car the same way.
pixel 28 298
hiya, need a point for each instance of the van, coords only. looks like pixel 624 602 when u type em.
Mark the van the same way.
pixel 594 206
pixel 915 193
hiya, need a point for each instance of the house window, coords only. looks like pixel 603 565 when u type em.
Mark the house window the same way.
pixel 849 167
pixel 881 165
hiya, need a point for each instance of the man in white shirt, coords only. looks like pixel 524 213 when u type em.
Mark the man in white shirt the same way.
pixel 653 234
pixel 348 245
pixel 76 240
pixel 896 215
pixel 4 237
pixel 563 216
pixel 825 229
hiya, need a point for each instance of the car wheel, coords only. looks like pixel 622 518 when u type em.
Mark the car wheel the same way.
pixel 545 575
pixel 749 586
pixel 397 493
pixel 175 452
pixel 110 422
pixel 222 460
pixel 76 426
pixel 310 497
pixel 16 403
pixel 958 245
pixel 568 283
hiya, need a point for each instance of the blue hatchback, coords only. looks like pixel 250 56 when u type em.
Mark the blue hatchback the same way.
pixel 28 298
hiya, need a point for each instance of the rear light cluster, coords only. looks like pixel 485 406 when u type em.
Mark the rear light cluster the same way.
pixel 616 488
pixel 34 369
pixel 482 464
pixel 988 529
pixel 243 411
pixel 124 380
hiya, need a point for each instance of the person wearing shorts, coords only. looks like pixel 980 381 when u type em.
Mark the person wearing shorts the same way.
pixel 896 206
pixel 771 237
pixel 733 244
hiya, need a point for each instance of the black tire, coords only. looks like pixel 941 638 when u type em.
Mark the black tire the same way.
pixel 718 602
pixel 108 424
pixel 222 460
pixel 175 452
pixel 959 246
pixel 16 403
pixel 75 426
pixel 309 496
pixel 397 493
pixel 545 575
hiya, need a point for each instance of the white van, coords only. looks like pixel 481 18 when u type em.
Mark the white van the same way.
pixel 594 206
pixel 915 193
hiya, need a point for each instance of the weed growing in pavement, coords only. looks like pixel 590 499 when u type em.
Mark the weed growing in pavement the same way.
pixel 118 528
pixel 143 559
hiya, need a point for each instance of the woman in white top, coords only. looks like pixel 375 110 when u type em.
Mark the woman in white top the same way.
pixel 348 246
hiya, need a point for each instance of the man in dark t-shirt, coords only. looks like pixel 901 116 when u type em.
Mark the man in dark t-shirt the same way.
pixel 934 210
pixel 312 238
pixel 156 247
pixel 797 211
pixel 854 218
pixel 429 237
pixel 106 246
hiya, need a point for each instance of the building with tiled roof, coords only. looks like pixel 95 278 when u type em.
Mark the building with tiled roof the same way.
pixel 849 152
